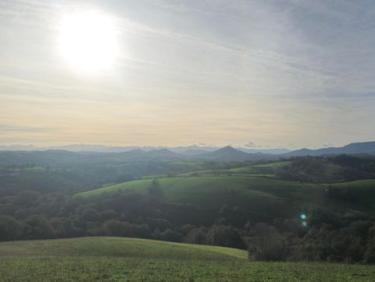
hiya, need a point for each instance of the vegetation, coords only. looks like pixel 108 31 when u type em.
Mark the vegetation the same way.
pixel 126 259
pixel 328 169
pixel 269 208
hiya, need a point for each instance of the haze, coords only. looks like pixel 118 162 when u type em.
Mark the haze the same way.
pixel 272 73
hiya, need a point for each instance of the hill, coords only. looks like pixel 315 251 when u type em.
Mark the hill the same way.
pixel 350 149
pixel 230 154
pixel 65 171
pixel 260 191
pixel 210 193
pixel 257 198
pixel 328 169
pixel 127 259
pixel 203 202
pixel 118 247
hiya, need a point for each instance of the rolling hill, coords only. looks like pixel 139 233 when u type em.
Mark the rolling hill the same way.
pixel 260 198
pixel 127 259
pixel 350 149
pixel 118 247
pixel 230 154
pixel 257 189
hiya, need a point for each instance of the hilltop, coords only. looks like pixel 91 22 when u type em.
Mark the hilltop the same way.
pixel 230 154
pixel 350 149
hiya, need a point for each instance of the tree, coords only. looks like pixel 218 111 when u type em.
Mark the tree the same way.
pixel 26 198
pixel 369 255
pixel 10 228
pixel 266 243
pixel 38 227
pixel 155 189
pixel 115 227
pixel 89 214
pixel 170 235
pixel 224 235
pixel 197 236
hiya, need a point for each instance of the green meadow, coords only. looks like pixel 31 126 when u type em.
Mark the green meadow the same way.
pixel 251 187
pixel 127 259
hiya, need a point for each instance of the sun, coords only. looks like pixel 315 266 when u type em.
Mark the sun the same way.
pixel 88 41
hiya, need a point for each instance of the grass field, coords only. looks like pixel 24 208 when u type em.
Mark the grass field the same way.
pixel 263 169
pixel 180 188
pixel 126 259
pixel 360 192
pixel 268 169
pixel 253 194
pixel 358 184
pixel 251 187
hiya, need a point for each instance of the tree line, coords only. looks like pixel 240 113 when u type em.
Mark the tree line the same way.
pixel 317 235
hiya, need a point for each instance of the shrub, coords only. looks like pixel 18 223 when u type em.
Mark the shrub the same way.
pixel 10 228
pixel 224 235
pixel 266 243
pixel 171 235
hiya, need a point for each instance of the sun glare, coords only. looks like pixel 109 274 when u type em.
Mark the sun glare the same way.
pixel 88 41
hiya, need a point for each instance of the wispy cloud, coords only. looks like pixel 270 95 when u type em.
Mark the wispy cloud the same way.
pixel 9 128
pixel 276 72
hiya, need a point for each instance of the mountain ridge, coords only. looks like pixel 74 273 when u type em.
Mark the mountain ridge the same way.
pixel 350 149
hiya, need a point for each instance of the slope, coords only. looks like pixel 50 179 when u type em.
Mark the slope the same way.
pixel 125 259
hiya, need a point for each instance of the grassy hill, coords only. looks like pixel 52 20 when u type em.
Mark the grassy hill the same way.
pixel 251 193
pixel 255 188
pixel 268 169
pixel 127 259
pixel 359 193
pixel 118 247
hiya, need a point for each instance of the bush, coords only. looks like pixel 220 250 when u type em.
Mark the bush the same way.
pixel 10 228
pixel 196 236
pixel 170 235
pixel 369 255
pixel 38 227
pixel 223 235
pixel 115 227
pixel 266 244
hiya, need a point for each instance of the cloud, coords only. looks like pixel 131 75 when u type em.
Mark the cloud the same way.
pixel 250 144
pixel 9 128
pixel 278 71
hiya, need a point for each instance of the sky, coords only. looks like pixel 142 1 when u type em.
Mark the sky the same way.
pixel 261 73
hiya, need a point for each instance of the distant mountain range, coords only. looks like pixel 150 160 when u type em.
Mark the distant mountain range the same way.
pixel 184 150
pixel 230 154
pixel 225 154
pixel 351 149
